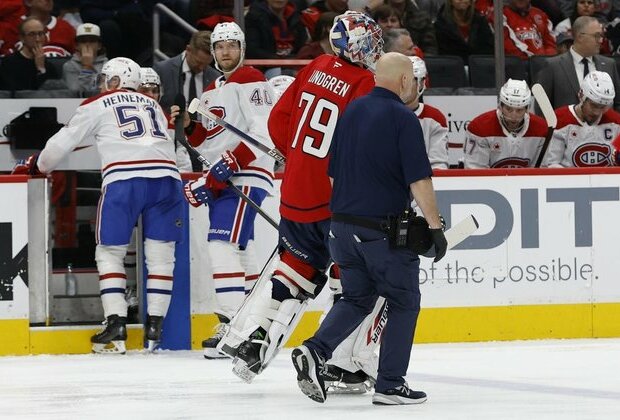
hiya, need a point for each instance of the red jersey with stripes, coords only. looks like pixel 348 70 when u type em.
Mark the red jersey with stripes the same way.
pixel 435 129
pixel 527 33
pixel 489 145
pixel 130 134
pixel 577 143
pixel 301 126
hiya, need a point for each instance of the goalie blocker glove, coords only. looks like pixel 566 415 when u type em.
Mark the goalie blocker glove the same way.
pixel 27 166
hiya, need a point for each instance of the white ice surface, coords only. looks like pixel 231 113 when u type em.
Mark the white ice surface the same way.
pixel 557 379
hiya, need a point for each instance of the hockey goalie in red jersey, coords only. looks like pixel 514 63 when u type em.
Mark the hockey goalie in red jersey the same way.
pixel 301 126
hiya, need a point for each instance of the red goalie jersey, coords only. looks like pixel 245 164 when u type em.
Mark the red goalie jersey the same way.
pixel 301 126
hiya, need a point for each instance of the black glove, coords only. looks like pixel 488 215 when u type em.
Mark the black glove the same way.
pixel 440 244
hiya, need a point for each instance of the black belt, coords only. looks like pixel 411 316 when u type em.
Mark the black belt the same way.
pixel 381 226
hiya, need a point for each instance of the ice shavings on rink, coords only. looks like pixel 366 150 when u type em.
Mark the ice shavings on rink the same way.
pixel 554 379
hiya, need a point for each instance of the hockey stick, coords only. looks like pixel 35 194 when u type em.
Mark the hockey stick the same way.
pixel 195 106
pixel 232 186
pixel 552 120
pixel 461 231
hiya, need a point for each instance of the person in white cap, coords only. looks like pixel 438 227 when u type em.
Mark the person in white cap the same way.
pixel 81 72
pixel 583 135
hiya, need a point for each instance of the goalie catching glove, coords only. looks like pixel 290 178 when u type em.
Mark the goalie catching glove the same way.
pixel 27 166
pixel 231 162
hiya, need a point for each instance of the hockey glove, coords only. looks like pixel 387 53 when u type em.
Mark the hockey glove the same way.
pixel 27 166
pixel 226 167
pixel 198 193
pixel 440 244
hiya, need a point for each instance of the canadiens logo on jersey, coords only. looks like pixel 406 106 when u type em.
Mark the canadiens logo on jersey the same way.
pixel 213 129
pixel 591 155
pixel 512 162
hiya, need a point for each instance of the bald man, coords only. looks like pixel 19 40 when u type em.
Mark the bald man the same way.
pixel 377 159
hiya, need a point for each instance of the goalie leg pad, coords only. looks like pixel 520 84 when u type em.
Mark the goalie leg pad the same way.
pixel 303 280
pixel 159 257
pixel 112 278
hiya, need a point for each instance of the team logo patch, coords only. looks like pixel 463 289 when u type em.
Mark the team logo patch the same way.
pixel 214 129
pixel 512 162
pixel 591 155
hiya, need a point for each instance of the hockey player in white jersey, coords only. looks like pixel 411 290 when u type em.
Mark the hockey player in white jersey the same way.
pixel 140 178
pixel 507 137
pixel 583 135
pixel 432 120
pixel 243 97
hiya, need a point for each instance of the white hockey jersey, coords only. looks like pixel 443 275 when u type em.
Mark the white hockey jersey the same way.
pixel 245 101
pixel 130 131
pixel 435 129
pixel 489 145
pixel 576 143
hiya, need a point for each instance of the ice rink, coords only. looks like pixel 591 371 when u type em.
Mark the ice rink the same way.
pixel 556 379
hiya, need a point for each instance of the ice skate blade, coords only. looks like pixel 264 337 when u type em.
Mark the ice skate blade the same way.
pixel 241 369
pixel 344 388
pixel 211 353
pixel 113 347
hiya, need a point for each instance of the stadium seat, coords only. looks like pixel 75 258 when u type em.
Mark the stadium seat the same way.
pixel 482 70
pixel 57 63
pixel 446 71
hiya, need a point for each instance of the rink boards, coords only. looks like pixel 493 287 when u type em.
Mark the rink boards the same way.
pixel 542 265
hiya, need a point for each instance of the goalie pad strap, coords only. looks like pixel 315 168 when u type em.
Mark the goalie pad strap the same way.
pixel 300 277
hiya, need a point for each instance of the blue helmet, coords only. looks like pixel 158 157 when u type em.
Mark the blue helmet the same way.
pixel 356 38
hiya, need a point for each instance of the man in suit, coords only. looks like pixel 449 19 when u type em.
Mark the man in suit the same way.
pixel 189 72
pixel 563 74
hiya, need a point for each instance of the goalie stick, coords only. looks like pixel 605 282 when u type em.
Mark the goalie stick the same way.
pixel 545 106
pixel 195 106
pixel 232 186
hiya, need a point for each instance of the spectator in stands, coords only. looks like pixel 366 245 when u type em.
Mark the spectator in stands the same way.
pixel 311 15
pixel 431 7
pixel 485 8
pixel 208 13
pixel 527 30
pixel 399 40
pixel 387 17
pixel 60 33
pixel 583 8
pixel 563 74
pixel 193 64
pixel 418 23
pixel 551 9
pixel 125 27
pixel 27 68
pixel 81 72
pixel 69 10
pixel 273 29
pixel 563 43
pixel 320 38
pixel 462 31
pixel 11 12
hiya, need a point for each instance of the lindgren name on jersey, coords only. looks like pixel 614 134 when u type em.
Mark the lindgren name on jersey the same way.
pixel 129 97
pixel 329 82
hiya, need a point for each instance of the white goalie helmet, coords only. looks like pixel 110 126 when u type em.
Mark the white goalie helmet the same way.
pixel 515 93
pixel 356 38
pixel 419 73
pixel 228 31
pixel 280 84
pixel 148 76
pixel 127 70
pixel 598 87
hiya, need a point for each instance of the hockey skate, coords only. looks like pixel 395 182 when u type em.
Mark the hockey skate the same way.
pixel 209 345
pixel 250 355
pixel 152 331
pixel 113 337
pixel 310 371
pixel 340 381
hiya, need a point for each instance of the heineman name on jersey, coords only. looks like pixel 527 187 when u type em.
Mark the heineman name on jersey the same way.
pixel 330 83
pixel 128 97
